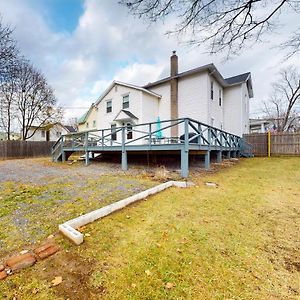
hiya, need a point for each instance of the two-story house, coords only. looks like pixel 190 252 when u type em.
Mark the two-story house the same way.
pixel 201 94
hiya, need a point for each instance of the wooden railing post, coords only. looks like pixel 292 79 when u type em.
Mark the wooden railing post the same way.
pixel 102 138
pixel 150 135
pixel 124 153
pixel 86 141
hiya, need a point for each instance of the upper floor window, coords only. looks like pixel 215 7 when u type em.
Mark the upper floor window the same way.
pixel 58 134
pixel 220 97
pixel 43 133
pixel 108 106
pixel 212 90
pixel 94 123
pixel 126 101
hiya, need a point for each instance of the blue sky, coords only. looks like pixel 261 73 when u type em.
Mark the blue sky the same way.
pixel 83 45
pixel 62 15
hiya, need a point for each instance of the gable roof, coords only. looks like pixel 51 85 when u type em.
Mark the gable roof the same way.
pixel 211 68
pixel 83 118
pixel 127 113
pixel 126 85
pixel 238 78
pixel 70 128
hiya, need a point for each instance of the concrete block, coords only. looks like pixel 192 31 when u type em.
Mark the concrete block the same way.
pixel 74 235
pixel 68 228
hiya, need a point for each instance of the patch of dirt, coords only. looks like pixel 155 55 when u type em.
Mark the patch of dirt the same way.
pixel 75 272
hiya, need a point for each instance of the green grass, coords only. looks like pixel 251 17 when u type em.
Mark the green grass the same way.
pixel 237 241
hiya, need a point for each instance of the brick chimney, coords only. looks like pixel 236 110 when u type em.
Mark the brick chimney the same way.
pixel 174 91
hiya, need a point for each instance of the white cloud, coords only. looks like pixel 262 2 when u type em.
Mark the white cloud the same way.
pixel 110 44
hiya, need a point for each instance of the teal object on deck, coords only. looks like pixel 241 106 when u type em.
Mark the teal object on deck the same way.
pixel 158 128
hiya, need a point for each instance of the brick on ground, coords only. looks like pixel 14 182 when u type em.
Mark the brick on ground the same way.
pixel 21 261
pixel 2 268
pixel 3 275
pixel 46 250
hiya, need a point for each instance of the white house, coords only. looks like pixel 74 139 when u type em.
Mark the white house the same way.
pixel 201 94
pixel 49 133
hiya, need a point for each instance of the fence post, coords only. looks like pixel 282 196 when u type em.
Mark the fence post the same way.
pixel 269 143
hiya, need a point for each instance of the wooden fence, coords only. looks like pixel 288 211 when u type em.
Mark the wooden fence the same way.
pixel 24 149
pixel 281 143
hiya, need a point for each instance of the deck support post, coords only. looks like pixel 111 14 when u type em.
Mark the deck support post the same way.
pixel 207 160
pixel 124 152
pixel 185 151
pixel 184 163
pixel 228 154
pixel 219 156
pixel 124 161
pixel 63 156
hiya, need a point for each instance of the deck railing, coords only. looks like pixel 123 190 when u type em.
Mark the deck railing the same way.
pixel 191 132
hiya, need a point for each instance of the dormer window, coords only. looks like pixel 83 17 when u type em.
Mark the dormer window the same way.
pixel 109 106
pixel 126 101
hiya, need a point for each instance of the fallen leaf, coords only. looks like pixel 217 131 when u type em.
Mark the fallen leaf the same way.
pixel 87 234
pixel 169 285
pixel 148 272
pixel 133 285
pixel 179 250
pixel 56 281
pixel 24 251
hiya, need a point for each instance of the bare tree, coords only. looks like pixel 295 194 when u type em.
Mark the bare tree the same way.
pixel 8 89
pixel 8 49
pixel 221 24
pixel 35 101
pixel 286 94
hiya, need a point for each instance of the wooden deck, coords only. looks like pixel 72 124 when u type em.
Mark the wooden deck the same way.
pixel 195 137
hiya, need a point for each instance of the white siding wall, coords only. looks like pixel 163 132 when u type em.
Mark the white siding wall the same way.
pixel 192 97
pixel 164 104
pixel 104 119
pixel 215 111
pixel 150 108
pixel 245 109
pixel 233 110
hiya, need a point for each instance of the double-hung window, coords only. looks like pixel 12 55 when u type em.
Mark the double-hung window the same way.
pixel 108 106
pixel 212 90
pixel 220 97
pixel 126 101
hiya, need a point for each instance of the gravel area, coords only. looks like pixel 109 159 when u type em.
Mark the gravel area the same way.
pixel 37 195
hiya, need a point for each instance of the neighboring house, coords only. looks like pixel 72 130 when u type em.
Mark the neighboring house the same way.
pixel 49 133
pixel 201 94
pixel 260 125
pixel 13 136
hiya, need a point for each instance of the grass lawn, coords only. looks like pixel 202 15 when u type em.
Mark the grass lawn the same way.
pixel 237 241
